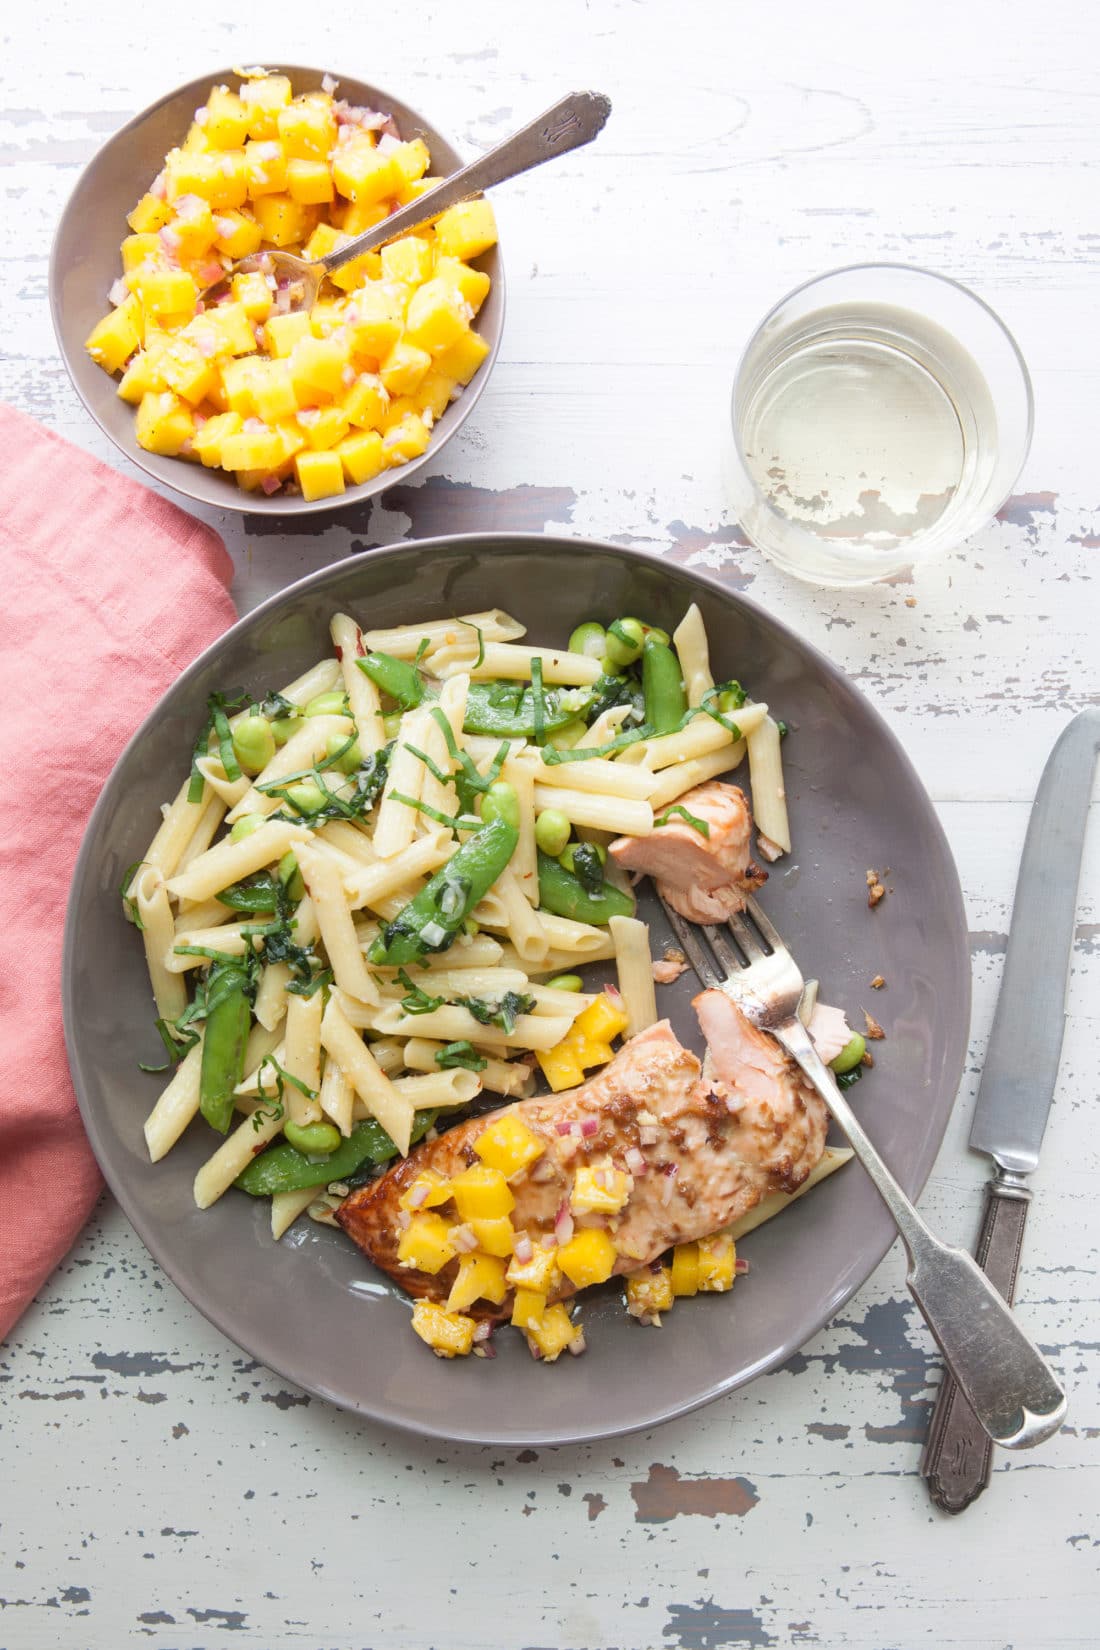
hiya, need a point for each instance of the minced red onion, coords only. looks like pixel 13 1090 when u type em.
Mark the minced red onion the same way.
pixel 309 416
pixel 741 1267
pixel 254 424
pixel 387 143
pixel 404 1220
pixel 211 272
pixel 463 1239
pixel 563 1128
pixel 328 84
pixel 589 1126
pixel 523 1248
pixel 170 240
pixel 270 484
pixel 648 1135
pixel 186 447
pixel 563 1224
pixel 190 206
pixel 483 1330
pixel 418 1194
pixel 635 1162
pixel 119 292
pixel 348 374
pixel 202 115
pixel 205 342
pixel 602 1177
pixel 159 187
pixel 578 1344
pixel 615 995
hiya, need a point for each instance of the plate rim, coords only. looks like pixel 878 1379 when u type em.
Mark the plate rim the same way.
pixel 161 1250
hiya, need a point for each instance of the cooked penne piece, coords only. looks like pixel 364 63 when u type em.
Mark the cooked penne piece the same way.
pixel 625 816
pixel 203 834
pixel 467 955
pixel 231 940
pixel 180 821
pixel 553 1000
pixel 228 790
pixel 451 707
pixel 604 778
pixel 228 862
pixel 581 939
pixel 690 641
pixel 513 663
pixel 525 867
pixel 832 1159
pixel 271 996
pixel 635 969
pixel 397 821
pixel 208 913
pixel 177 1105
pixel 523 922
pixel 352 841
pixel 302 1060
pixel 685 776
pixel 326 890
pixel 347 1048
pixel 158 931
pixel 508 1077
pixel 456 1087
pixel 235 1154
pixel 368 884
pixel 319 678
pixel 363 700
pixel 469 982
pixel 454 1024
pixel 403 641
pixel 287 1206
pixel 337 1096
pixel 769 796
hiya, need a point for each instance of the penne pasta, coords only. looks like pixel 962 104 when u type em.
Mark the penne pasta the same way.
pixel 234 1155
pixel 397 821
pixel 334 920
pixel 319 678
pixel 204 833
pixel 634 964
pixel 524 924
pixel 154 917
pixel 690 641
pixel 271 996
pixel 513 663
pixel 228 862
pixel 177 1105
pixel 525 865
pixel 612 779
pixel 347 1048
pixel 302 1060
pixel 685 776
pixel 231 940
pixel 363 699
pixel 229 791
pixel 369 884
pixel 287 1206
pixel 452 1024
pixel 442 1089
pixel 176 829
pixel 625 816
pixel 769 796
pixel 507 1077
pixel 337 1097
pixel 404 641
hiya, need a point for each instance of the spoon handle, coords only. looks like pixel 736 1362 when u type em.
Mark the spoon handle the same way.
pixel 568 124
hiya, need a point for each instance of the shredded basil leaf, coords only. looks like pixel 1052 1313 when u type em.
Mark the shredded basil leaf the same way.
pixel 538 701
pixel 480 660
pixel 498 1011
pixel 693 820
pixel 422 647
pixel 417 1001
pixel 553 757
pixel 130 905
pixel 453 822
pixel 461 1054
pixel 175 1050
pixel 783 727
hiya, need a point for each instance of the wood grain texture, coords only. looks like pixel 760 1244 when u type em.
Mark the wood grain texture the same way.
pixel 160 1488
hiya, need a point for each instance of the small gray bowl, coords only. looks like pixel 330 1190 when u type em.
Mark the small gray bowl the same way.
pixel 312 1306
pixel 85 261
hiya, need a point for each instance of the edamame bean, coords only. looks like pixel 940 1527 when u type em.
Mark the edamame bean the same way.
pixel 282 1169
pixel 501 801
pixel 657 633
pixel 731 699
pixel 552 831
pixel 314 1139
pixel 663 686
pixel 245 826
pixel 253 743
pixel 850 1055
pixel 566 982
pixel 589 639
pixel 284 727
pixel 333 703
pixel 568 736
pixel 625 640
pixel 305 796
pixel 352 757
pixel 392 724
pixel 291 877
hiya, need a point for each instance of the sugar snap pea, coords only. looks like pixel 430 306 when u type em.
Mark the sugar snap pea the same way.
pixel 432 920
pixel 564 895
pixel 663 686
pixel 506 710
pixel 396 677
pixel 228 1017
pixel 284 1169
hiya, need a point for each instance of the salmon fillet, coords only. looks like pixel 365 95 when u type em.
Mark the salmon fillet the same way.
pixel 702 877
pixel 699 1153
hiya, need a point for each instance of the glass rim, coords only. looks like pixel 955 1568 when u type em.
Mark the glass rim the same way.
pixel 907 269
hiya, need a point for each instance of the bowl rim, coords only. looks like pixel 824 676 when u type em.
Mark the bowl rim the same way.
pixel 291 1368
pixel 237 500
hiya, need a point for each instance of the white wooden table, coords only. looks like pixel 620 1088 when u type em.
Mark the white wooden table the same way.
pixel 155 1485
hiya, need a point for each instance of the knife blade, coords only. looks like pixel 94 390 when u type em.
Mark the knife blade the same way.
pixel 1020 1070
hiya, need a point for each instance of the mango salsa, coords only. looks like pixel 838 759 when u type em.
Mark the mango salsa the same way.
pixel 365 376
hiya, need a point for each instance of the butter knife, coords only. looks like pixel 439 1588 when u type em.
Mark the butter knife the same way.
pixel 1020 1072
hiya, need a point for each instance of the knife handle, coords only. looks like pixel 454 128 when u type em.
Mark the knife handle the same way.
pixel 958 1455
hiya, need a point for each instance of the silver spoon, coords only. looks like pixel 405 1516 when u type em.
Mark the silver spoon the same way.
pixel 568 124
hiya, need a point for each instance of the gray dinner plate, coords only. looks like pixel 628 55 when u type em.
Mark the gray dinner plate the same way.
pixel 312 1307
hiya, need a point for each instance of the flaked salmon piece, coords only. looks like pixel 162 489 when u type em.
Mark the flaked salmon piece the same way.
pixel 702 877
pixel 830 1031
pixel 695 1155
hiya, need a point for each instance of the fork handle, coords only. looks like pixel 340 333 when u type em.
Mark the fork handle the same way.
pixel 568 124
pixel 958 1456
pixel 1005 1379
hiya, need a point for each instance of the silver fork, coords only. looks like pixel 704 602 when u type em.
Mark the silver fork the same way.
pixel 1009 1385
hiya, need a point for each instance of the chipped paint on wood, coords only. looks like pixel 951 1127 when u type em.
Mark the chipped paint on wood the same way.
pixel 664 1495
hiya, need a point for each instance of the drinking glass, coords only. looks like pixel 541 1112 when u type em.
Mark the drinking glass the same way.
pixel 881 415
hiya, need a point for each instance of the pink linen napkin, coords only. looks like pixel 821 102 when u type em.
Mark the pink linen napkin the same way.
pixel 108 593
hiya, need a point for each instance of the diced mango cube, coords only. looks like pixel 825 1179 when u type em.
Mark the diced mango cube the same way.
pixel 325 238
pixel 685 1269
pixel 404 367
pixel 141 376
pixel 426 1241
pixel 226 123
pixel 231 327
pixel 437 316
pixel 717 1263
pixel 540 1273
pixel 602 1020
pixel 560 1066
pixel 374 324
pixel 317 368
pixel 589 1256
pixel 236 234
pixel 363 215
pixel 139 249
pixel 307 128
pixel 649 1292
pixel 323 427
pixel 291 437
pixel 150 214
pixel 273 392
pixel 434 394
pixel 196 142
pixel 252 449
pixel 166 291
pixel 481 1192
pixel 366 401
pixel 552 1333
pixel 495 1235
pixel 263 98
pixel 190 375
pixel 113 340
pixel 191 232
pixel 266 168
pixel 466 230
pixel 282 221
pixel 599 1190
pixel 408 260
pixel 310 182
pixel 209 436
pixel 163 424
pixel 239 380
pixel 319 476
pixel 361 455
pixel 528 1308
pixel 283 332
pixel 411 159
pixel 508 1144
pixel 463 358
pixel 480 1278
pixel 473 284
pixel 414 190
pixel 253 294
pixel 362 174
pixel 219 177
pixel 449 1334
pixel 427 1191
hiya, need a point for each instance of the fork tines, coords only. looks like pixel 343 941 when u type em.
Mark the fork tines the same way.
pixel 753 941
